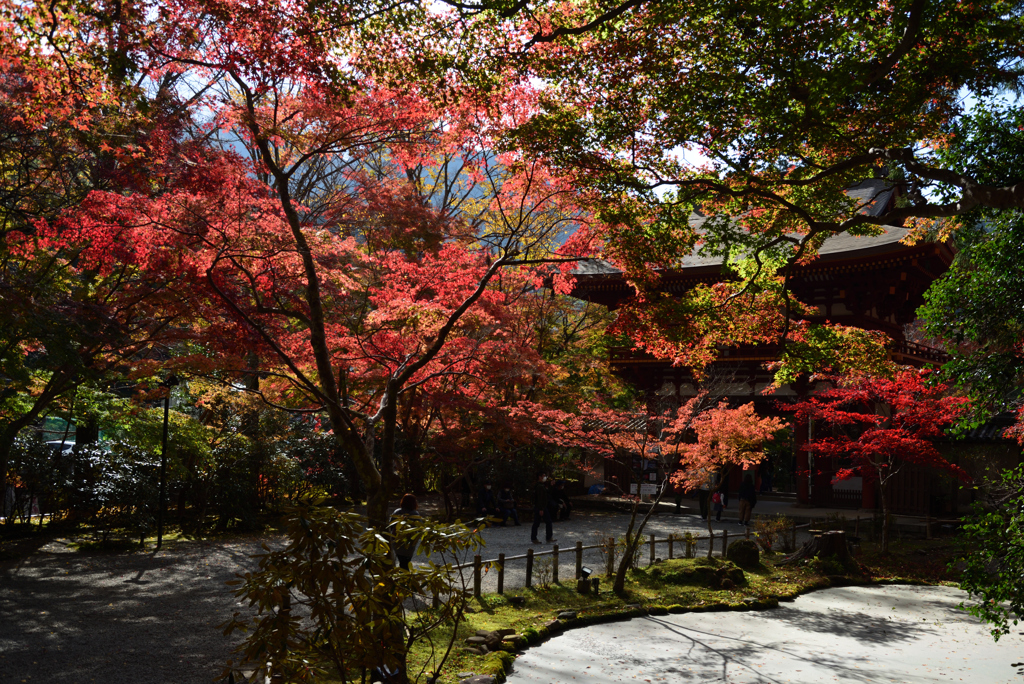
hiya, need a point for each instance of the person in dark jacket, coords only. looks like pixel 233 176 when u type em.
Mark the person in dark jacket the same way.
pixel 507 506
pixel 562 504
pixel 747 497
pixel 488 503
pixel 407 512
pixel 541 508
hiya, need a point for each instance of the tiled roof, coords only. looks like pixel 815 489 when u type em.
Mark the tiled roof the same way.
pixel 873 195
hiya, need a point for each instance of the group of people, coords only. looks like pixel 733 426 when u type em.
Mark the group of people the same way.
pixel 714 496
pixel 502 505
pixel 549 499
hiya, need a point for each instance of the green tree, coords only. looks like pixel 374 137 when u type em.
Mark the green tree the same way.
pixel 994 566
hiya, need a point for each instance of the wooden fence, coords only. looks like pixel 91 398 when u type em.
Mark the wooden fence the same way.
pixel 677 546
pixel 681 546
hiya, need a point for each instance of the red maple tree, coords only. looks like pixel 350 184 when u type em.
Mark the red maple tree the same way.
pixel 881 424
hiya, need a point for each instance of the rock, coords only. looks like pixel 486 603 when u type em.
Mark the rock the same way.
pixel 632 606
pixel 728 583
pixel 511 638
pixel 517 601
pixel 474 640
pixel 567 615
pixel 744 553
pixel 478 679
pixel 483 632
pixel 463 675
pixel 473 650
pixel 504 632
pixel 553 625
pixel 749 599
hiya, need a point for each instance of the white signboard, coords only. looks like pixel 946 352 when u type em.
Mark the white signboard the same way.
pixel 632 489
pixel 646 489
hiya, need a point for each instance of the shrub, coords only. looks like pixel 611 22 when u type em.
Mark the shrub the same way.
pixel 333 603
pixel 773 531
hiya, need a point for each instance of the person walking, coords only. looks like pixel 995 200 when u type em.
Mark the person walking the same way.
pixel 747 497
pixel 703 498
pixel 542 508
pixel 406 512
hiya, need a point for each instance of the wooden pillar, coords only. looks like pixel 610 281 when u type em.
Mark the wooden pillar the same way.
pixel 671 538
pixel 554 563
pixel 477 565
pixel 868 495
pixel 529 568
pixel 501 573
pixel 652 549
pixel 579 559
pixel 803 462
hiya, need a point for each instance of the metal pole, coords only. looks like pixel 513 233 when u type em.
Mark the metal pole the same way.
pixel 163 474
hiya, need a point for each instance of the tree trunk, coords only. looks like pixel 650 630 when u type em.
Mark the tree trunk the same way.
pixel 6 446
pixel 883 485
pixel 633 540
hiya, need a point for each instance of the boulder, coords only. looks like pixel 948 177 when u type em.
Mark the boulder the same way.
pixel 567 615
pixel 744 553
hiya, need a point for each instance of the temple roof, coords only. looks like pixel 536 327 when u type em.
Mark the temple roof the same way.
pixel 873 195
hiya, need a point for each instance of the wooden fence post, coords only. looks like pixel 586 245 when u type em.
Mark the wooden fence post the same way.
pixel 746 532
pixel 501 573
pixel 794 535
pixel 529 568
pixel 671 537
pixel 611 556
pixel 725 542
pixel 579 559
pixel 711 542
pixel 477 564
pixel 554 563
pixel 652 550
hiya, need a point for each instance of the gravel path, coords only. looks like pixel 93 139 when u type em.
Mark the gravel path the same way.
pixel 899 634
pixel 151 618
pixel 136 618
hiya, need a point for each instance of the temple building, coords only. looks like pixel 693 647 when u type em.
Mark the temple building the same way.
pixel 874 283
